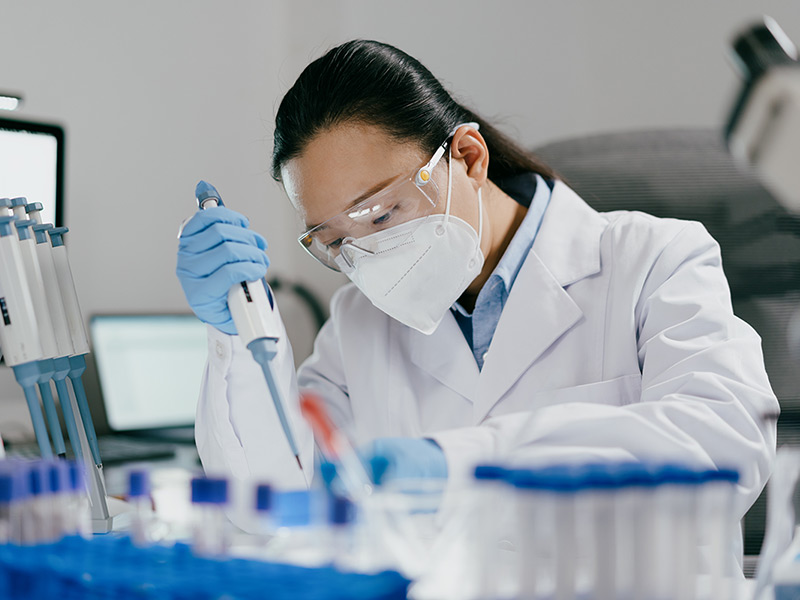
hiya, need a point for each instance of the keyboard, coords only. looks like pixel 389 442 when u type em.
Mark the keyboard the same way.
pixel 114 450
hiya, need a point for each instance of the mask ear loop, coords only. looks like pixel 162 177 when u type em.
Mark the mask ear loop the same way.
pixel 449 187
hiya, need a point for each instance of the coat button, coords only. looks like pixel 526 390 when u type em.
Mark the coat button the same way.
pixel 485 354
pixel 219 350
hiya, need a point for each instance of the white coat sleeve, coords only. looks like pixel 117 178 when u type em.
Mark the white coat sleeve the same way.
pixel 237 430
pixel 705 398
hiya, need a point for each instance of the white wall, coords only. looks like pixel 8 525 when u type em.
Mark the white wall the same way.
pixel 155 95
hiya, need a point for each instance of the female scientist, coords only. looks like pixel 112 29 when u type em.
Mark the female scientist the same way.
pixel 492 315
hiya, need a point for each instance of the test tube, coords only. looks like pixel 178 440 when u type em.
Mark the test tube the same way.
pixel 490 492
pixel 60 486
pixel 78 499
pixel 717 516
pixel 139 497
pixel 264 496
pixel 536 519
pixel 210 531
pixel 341 540
pixel 41 503
pixel 677 497
pixel 7 499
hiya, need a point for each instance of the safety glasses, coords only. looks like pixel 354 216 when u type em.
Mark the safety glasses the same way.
pixel 402 207
pixel 408 200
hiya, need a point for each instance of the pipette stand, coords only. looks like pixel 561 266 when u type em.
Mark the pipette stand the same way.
pixel 102 521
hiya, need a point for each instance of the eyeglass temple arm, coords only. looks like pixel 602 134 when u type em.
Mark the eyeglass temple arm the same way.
pixel 423 176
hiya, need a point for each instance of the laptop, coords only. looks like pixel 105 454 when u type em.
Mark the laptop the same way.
pixel 145 383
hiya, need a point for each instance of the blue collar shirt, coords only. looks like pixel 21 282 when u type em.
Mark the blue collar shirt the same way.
pixel 479 327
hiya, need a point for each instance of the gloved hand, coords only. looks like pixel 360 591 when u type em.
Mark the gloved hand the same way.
pixel 408 458
pixel 216 251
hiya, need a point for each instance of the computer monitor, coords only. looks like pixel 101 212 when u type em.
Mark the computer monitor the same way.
pixel 32 165
pixel 149 369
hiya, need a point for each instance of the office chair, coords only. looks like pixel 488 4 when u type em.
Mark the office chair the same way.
pixel 688 174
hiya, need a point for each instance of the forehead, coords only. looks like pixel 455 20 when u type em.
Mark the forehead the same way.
pixel 340 164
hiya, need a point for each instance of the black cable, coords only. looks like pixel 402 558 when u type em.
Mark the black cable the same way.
pixel 310 299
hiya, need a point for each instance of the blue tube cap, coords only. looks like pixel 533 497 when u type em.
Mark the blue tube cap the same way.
pixel 327 471
pixel 5 202
pixel 206 490
pixel 490 472
pixel 726 475
pixel 341 511
pixel 263 497
pixel 77 476
pixel 34 207
pixel 20 201
pixel 138 484
pixel 6 488
pixel 57 236
pixel 205 191
pixel 378 464
pixel 58 471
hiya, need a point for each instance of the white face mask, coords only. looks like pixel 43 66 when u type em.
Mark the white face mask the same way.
pixel 418 281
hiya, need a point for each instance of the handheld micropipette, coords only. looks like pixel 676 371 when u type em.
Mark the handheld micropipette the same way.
pixel 47 336
pixel 58 317
pixel 19 332
pixel 256 322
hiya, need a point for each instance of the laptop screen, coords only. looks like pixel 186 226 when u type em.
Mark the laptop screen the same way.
pixel 149 368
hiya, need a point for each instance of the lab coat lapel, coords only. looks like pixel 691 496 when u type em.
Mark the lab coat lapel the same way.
pixel 446 356
pixel 539 310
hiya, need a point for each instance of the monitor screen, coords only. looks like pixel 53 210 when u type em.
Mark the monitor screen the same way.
pixel 32 165
pixel 149 368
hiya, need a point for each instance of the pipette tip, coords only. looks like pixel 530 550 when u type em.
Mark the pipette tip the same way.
pixel 299 464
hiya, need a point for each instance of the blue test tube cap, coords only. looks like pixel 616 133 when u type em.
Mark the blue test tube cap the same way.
pixel 341 510
pixel 490 473
pixel 76 476
pixel 264 497
pixel 327 471
pixel 6 225
pixel 38 480
pixel 57 235
pixel 34 207
pixel 205 191
pixel 378 464
pixel 726 475
pixel 60 480
pixel 19 201
pixel 7 488
pixel 23 226
pixel 5 202
pixel 138 484
pixel 679 474
pixel 207 490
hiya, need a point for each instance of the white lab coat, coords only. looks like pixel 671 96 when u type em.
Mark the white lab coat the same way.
pixel 617 341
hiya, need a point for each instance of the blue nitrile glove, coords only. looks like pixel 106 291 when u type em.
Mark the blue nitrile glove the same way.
pixel 408 458
pixel 216 251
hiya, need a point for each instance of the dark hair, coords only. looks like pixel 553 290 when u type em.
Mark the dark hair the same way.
pixel 369 82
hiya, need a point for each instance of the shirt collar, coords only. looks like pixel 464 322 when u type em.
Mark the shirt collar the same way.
pixel 511 262
pixel 506 271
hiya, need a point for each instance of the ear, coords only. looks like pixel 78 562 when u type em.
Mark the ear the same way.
pixel 468 144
